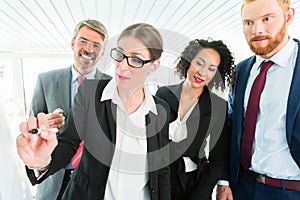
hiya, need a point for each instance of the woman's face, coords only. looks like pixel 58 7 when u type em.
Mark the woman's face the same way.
pixel 203 68
pixel 127 77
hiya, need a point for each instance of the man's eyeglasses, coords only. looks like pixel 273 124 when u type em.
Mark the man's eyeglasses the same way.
pixel 132 61
pixel 84 42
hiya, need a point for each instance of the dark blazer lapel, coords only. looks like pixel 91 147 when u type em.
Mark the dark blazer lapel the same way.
pixel 294 98
pixel 198 123
pixel 106 112
pixel 244 69
pixel 64 87
pixel 98 74
pixel 111 114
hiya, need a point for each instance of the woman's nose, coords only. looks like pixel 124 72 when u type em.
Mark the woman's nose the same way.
pixel 123 65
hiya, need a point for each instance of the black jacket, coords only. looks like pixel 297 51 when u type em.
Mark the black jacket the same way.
pixel 209 117
pixel 95 121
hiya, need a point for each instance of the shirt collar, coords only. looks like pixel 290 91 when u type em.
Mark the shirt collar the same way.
pixel 110 92
pixel 75 74
pixel 282 57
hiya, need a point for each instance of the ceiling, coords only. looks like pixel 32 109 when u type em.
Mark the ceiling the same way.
pixel 46 26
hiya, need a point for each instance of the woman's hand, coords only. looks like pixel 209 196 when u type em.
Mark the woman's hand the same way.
pixel 35 148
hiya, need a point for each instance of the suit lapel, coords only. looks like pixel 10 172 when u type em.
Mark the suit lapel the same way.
pixel 244 69
pixel 106 112
pixel 98 74
pixel 64 87
pixel 111 113
pixel 294 98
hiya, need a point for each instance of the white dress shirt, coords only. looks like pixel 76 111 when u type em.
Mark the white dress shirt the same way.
pixel 128 175
pixel 271 154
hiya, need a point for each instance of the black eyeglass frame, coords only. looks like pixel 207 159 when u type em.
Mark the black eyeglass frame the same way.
pixel 124 56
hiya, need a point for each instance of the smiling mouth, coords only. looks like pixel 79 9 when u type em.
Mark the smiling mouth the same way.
pixel 86 57
pixel 198 80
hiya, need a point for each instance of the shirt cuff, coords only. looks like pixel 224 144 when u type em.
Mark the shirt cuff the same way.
pixel 38 174
pixel 223 182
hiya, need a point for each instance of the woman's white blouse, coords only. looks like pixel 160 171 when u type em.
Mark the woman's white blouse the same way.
pixel 178 132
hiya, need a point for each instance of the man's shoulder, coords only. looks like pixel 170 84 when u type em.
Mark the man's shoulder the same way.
pixel 246 61
pixel 161 102
pixel 102 75
pixel 174 88
pixel 98 83
pixel 55 72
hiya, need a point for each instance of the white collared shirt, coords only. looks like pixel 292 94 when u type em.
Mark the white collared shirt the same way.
pixel 128 175
pixel 271 154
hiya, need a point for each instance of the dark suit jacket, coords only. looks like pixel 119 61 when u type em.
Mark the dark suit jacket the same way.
pixel 209 117
pixel 53 90
pixel 292 117
pixel 95 121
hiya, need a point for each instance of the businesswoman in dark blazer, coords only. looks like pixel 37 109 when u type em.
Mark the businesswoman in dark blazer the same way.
pixel 199 130
pixel 124 129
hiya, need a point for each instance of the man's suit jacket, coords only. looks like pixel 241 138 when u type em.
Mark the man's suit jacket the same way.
pixel 292 116
pixel 95 121
pixel 53 90
pixel 209 117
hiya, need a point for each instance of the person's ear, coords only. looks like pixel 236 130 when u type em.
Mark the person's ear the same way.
pixel 73 43
pixel 102 51
pixel 290 15
pixel 155 65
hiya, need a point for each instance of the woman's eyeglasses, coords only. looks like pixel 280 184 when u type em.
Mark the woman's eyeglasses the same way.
pixel 132 61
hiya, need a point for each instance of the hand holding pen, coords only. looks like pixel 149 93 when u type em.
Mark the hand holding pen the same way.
pixel 38 131
pixel 37 141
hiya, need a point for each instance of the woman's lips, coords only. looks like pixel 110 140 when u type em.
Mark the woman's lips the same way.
pixel 198 80
pixel 122 77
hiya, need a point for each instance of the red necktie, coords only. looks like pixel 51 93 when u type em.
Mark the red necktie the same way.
pixel 80 79
pixel 252 113
pixel 76 158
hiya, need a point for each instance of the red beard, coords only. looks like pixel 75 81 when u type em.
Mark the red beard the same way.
pixel 272 44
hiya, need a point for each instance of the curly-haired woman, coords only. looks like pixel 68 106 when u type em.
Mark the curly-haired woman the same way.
pixel 199 129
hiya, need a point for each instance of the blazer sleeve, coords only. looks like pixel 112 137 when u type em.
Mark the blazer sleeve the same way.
pixel 68 140
pixel 218 155
pixel 169 97
pixel 163 174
